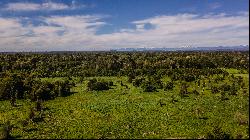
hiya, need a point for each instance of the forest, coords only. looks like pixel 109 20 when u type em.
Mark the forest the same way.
pixel 148 94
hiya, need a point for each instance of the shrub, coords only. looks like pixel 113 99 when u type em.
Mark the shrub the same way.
pixel 219 78
pixel 11 87
pixel 91 83
pixel 32 114
pixel 233 90
pixel 5 131
pixel 195 92
pixel 158 84
pixel 44 92
pixel 148 87
pixel 215 89
pixel 188 78
pixel 131 76
pixel 218 133
pixel 138 81
pixel 101 86
pixel 169 86
pixel 241 118
pixel 111 83
pixel 183 90
pixel 97 85
pixel 38 105
pixel 225 87
pixel 62 88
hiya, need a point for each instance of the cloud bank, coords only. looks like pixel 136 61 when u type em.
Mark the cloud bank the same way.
pixel 79 32
pixel 27 6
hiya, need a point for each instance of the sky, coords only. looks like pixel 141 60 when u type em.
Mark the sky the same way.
pixel 87 25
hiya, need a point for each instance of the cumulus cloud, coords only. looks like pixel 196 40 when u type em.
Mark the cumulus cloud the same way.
pixel 27 6
pixel 80 32
pixel 10 27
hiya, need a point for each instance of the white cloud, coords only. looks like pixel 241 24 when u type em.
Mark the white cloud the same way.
pixel 215 5
pixel 27 6
pixel 10 27
pixel 79 32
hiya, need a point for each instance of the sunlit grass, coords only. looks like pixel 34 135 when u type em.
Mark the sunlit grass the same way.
pixel 131 113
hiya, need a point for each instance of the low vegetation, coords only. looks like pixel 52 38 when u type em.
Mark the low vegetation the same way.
pixel 125 95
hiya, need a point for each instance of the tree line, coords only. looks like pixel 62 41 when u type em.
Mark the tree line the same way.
pixel 21 73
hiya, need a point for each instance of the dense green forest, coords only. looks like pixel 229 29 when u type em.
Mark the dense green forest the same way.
pixel 124 95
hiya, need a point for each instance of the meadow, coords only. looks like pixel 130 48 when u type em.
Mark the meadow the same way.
pixel 131 113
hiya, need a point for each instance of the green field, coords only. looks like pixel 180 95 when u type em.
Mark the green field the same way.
pixel 131 113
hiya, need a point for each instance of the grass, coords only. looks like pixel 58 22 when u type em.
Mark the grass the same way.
pixel 131 113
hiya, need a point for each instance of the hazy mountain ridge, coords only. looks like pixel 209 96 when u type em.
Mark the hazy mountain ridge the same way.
pixel 219 48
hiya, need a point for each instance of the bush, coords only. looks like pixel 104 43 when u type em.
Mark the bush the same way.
pixel 169 86
pixel 218 133
pixel 11 87
pixel 225 87
pixel 189 78
pixel 233 90
pixel 183 90
pixel 111 83
pixel 158 84
pixel 43 91
pixel 219 78
pixel 131 76
pixel 148 87
pixel 215 89
pixel 138 81
pixel 195 92
pixel 96 85
pixel 62 88
pixel 101 86
pixel 5 131
pixel 91 83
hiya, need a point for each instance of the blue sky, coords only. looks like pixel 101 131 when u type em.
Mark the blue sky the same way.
pixel 49 25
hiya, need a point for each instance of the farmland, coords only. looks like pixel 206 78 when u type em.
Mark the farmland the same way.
pixel 125 95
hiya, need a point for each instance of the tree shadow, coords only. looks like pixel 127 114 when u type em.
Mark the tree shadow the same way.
pixel 38 119
pixel 14 137
pixel 31 129
pixel 18 105
pixel 203 118
pixel 46 109
pixel 69 94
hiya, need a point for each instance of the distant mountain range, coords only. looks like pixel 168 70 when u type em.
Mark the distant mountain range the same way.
pixel 219 48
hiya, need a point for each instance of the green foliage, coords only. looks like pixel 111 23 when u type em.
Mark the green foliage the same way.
pixel 138 81
pixel 225 87
pixel 219 78
pixel 62 88
pixel 43 91
pixel 169 86
pixel 195 92
pixel 134 115
pixel 93 84
pixel 17 87
pixel 188 77
pixel 5 130
pixel 184 89
pixel 110 83
pixel 12 87
pixel 87 64
pixel 147 86
pixel 215 89
pixel 124 111
pixel 218 133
